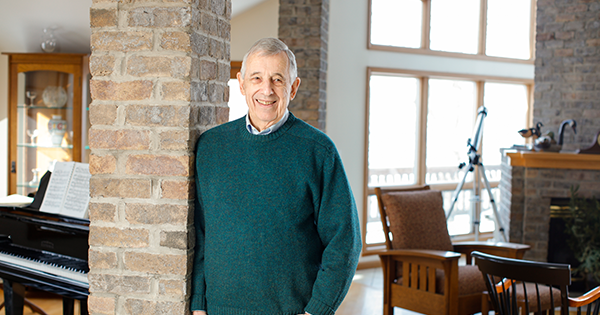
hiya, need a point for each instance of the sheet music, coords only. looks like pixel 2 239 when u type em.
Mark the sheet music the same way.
pixel 78 195
pixel 57 187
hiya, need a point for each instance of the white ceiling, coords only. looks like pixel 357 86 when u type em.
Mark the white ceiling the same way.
pixel 22 23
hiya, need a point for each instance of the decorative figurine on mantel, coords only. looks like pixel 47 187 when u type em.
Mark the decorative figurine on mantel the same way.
pixel 546 141
pixel 594 148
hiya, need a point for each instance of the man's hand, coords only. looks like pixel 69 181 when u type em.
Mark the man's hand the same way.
pixel 199 313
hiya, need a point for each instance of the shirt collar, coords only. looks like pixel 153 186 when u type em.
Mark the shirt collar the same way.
pixel 251 129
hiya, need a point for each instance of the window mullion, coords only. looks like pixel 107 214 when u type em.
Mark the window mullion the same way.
pixel 482 27
pixel 426 24
pixel 422 133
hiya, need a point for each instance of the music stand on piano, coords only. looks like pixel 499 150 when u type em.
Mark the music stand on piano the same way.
pixel 44 251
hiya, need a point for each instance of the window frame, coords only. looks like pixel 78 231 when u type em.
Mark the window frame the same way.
pixel 425 31
pixel 421 169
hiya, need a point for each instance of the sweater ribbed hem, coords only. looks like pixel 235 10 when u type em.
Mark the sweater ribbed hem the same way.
pixel 237 311
pixel 316 307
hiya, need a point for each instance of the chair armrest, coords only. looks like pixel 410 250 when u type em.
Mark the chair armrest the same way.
pixel 585 299
pixel 420 253
pixel 509 250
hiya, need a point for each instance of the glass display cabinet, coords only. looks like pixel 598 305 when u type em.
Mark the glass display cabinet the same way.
pixel 47 112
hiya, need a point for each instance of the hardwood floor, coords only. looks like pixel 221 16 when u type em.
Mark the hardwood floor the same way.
pixel 365 296
pixel 50 303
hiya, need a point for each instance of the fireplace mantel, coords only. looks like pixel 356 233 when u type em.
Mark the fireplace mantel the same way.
pixel 554 160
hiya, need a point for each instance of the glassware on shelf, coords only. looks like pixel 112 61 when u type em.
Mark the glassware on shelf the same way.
pixel 36 180
pixel 31 95
pixel 57 127
pixel 48 40
pixel 33 134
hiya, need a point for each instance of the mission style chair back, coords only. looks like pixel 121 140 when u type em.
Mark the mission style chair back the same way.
pixel 420 265
pixel 522 287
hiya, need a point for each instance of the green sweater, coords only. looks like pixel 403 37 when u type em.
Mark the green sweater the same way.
pixel 276 222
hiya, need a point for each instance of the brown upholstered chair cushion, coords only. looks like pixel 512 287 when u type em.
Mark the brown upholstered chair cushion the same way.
pixel 532 296
pixel 470 280
pixel 417 220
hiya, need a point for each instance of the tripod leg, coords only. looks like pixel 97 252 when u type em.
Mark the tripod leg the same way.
pixel 493 202
pixel 457 191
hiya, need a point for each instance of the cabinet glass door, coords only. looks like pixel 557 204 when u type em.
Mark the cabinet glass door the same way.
pixel 44 125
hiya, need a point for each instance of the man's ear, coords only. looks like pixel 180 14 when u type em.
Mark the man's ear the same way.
pixel 241 83
pixel 295 86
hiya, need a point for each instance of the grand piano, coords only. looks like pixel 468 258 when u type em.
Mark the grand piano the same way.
pixel 45 251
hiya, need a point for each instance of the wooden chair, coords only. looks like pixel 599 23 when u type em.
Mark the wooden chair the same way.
pixel 521 287
pixel 420 265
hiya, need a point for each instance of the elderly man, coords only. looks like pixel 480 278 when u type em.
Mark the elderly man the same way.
pixel 276 223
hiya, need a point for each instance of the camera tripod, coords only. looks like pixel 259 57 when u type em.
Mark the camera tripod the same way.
pixel 477 167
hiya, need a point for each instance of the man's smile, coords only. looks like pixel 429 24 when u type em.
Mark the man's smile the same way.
pixel 266 102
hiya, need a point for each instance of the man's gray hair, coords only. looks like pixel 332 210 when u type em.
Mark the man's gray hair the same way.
pixel 272 46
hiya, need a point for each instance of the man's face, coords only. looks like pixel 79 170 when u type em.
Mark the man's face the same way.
pixel 267 87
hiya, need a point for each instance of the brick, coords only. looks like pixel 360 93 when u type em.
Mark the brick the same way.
pixel 160 17
pixel 103 114
pixel 163 264
pixel 166 116
pixel 175 239
pixel 159 165
pixel 120 187
pixel 141 213
pixel 119 284
pixel 121 41
pixel 102 212
pixel 102 260
pixel 175 91
pixel 593 42
pixel 117 237
pixel 102 65
pixel 172 287
pixel 177 189
pixel 119 139
pixel 208 70
pixel 103 17
pixel 178 41
pixel 121 91
pixel 152 66
pixel 138 306
pixel 105 164
pixel 563 52
pixel 101 305
pixel 175 140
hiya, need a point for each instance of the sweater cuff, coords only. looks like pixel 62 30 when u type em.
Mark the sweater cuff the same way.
pixel 316 307
pixel 198 303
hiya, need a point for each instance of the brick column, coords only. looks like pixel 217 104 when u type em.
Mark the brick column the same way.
pixel 160 72
pixel 304 27
pixel 567 58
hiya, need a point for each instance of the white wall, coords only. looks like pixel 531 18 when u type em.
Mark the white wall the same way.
pixel 253 24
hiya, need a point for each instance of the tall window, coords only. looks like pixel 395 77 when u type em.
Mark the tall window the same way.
pixel 422 122
pixel 485 28
pixel 419 121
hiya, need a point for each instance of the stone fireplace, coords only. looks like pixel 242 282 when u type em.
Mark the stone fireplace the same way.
pixel 567 59
pixel 530 180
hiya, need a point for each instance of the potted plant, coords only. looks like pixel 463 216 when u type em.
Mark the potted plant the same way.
pixel 583 231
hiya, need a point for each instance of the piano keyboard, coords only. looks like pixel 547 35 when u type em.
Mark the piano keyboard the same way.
pixel 44 266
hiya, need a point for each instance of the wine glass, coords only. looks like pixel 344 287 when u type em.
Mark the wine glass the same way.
pixel 36 179
pixel 33 134
pixel 31 95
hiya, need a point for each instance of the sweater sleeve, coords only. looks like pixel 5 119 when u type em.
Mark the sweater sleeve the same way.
pixel 198 299
pixel 337 223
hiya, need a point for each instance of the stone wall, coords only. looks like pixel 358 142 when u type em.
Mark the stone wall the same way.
pixel 160 70
pixel 303 26
pixel 567 68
